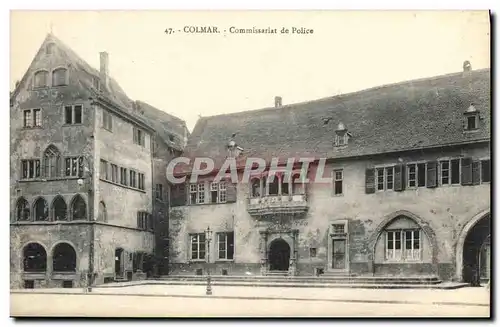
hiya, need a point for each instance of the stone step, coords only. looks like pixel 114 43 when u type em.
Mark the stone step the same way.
pixel 306 279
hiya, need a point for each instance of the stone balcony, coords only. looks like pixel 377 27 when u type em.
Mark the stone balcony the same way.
pixel 278 204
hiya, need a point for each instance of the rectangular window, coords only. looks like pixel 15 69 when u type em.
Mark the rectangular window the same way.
pixel 104 169
pixel 68 114
pixel 32 118
pixel 140 181
pixel 445 172
pixel 73 114
pixel 77 114
pixel 133 178
pixel 198 246
pixel 114 173
pixel 193 191
pixel 485 171
pixel 201 193
pixel 338 181
pixel 37 117
pixel 421 174
pixel 159 191
pixel 214 192
pixel 139 137
pixel 222 192
pixel 73 166
pixel 338 229
pixel 107 121
pixel 30 168
pixel 225 243
pixel 389 171
pixel 403 245
pixel 412 175
pixel 28 121
pixel 471 122
pixel 380 179
pixel 123 176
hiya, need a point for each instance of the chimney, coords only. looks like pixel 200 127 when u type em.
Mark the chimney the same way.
pixel 277 101
pixel 104 72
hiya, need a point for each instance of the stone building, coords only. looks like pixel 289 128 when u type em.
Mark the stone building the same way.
pixel 405 189
pixel 87 174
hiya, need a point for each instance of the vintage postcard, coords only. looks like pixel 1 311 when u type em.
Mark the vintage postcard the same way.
pixel 250 164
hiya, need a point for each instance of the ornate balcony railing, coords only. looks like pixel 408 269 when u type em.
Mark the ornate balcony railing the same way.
pixel 277 204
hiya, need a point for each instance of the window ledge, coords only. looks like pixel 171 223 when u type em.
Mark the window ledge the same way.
pixel 41 222
pixel 338 195
pixel 402 262
pixel 124 186
pixel 224 260
pixel 204 204
pixel 51 179
pixel 29 128
pixel 69 125
pixel 197 261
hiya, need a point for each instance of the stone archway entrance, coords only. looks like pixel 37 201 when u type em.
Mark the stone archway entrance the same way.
pixel 279 255
pixel 475 239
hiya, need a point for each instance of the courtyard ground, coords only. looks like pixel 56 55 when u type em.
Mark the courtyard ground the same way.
pixel 191 301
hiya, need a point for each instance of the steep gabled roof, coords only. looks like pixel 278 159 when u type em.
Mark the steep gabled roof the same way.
pixel 170 128
pixel 111 92
pixel 403 116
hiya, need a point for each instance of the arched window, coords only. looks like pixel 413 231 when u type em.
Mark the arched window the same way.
pixel 78 208
pixel 52 162
pixel 60 209
pixel 255 188
pixel 41 78
pixel 59 77
pixel 34 258
pixel 63 258
pixel 41 210
pixel 103 215
pixel 22 210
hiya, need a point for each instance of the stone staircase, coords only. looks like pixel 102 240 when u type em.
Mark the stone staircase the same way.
pixel 281 279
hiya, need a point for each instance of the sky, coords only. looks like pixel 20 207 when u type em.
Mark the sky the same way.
pixel 192 75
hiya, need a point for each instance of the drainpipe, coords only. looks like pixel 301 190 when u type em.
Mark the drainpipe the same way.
pixel 153 200
pixel 90 177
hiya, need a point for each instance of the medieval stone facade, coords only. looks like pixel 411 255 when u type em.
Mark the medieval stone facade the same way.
pixel 407 191
pixel 86 162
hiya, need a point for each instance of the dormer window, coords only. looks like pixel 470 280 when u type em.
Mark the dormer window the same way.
pixel 471 116
pixel 341 135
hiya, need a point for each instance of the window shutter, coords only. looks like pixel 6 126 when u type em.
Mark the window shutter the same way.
pixel 431 174
pixel 466 171
pixel 370 180
pixel 230 192
pixel 399 180
pixel 476 172
pixel 138 220
pixel 178 195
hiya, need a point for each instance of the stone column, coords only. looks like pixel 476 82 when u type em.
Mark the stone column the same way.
pixel 263 252
pixel 292 270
